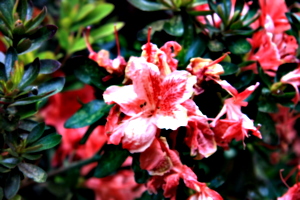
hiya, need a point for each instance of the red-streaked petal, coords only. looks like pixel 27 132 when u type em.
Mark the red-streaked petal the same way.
pixel 139 134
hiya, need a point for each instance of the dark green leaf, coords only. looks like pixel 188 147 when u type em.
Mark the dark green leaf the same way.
pixel 284 69
pixel 245 78
pixel 140 175
pixel 47 142
pixel 88 71
pixel 49 66
pixel 238 46
pixel 45 90
pixel 33 171
pixel 267 106
pixel 200 13
pixel 35 22
pixel 27 124
pixel 27 111
pixel 88 133
pixel 6 8
pixel 111 160
pixel 23 45
pixel 267 129
pixel 2 72
pixel 196 49
pixel 22 9
pixel 99 12
pixel 174 26
pixel 229 68
pixel 10 162
pixel 145 5
pixel 12 185
pixel 7 32
pixel 246 63
pixel 264 77
pixel 31 72
pixel 1 193
pixel 11 57
pixel 32 156
pixel 36 133
pixel 41 35
pixel 88 114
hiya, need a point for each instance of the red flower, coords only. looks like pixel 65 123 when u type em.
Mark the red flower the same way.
pixel 236 124
pixel 293 193
pixel 151 102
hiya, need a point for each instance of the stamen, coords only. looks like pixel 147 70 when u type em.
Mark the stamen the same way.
pixel 282 179
pixel 117 40
pixel 86 35
pixel 148 47
pixel 218 60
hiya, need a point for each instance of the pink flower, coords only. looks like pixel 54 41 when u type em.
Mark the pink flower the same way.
pixel 293 193
pixel 200 138
pixel 293 78
pixel 236 124
pixel 204 193
pixel 272 18
pixel 120 186
pixel 151 102
pixel 166 169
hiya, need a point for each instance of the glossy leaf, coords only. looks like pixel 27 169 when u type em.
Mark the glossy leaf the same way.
pixel 36 133
pixel 140 175
pixel 36 21
pixel 10 162
pixel 33 171
pixel 12 185
pixel 88 114
pixel 47 142
pixel 30 74
pixel 23 45
pixel 88 71
pixel 105 165
pixel 238 46
pixel 174 26
pixel 215 46
pixel 10 59
pixel 6 8
pixel 40 36
pixel 49 66
pixel 145 5
pixel 229 68
pixel 22 9
pixel 284 69
pixel 32 156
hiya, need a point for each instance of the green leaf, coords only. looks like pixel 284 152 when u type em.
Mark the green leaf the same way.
pixel 84 11
pixel 238 46
pixel 267 106
pixel 22 9
pixel 245 78
pixel 6 31
pixel 45 90
pixel 140 175
pixel 41 35
pixel 48 66
pixel 10 59
pixel 35 22
pixel 200 13
pixel 12 185
pixel 27 124
pixel 1 193
pixel 30 74
pixel 229 68
pixel 284 69
pixel 99 12
pixel 88 114
pixel 95 35
pixel 174 26
pixel 145 5
pixel 111 160
pixel 23 45
pixel 196 49
pixel 10 162
pixel 6 8
pixel 2 72
pixel 36 133
pixel 264 77
pixel 88 71
pixel 32 156
pixel 27 111
pixel 47 142
pixel 33 171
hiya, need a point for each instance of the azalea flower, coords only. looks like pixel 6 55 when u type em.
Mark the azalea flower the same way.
pixel 120 186
pixel 151 102
pixel 293 193
pixel 236 124
pixel 113 66
pixel 272 19
pixel 166 169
